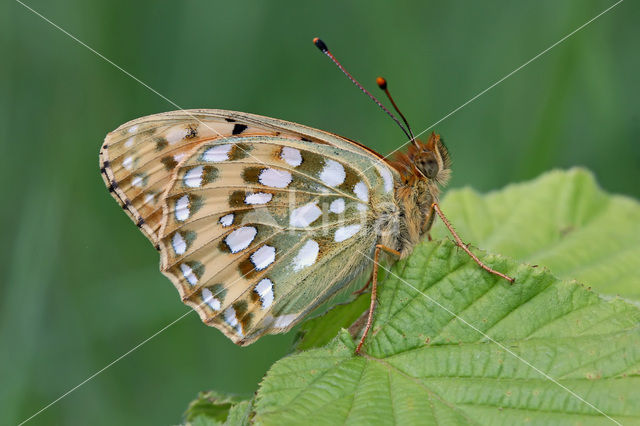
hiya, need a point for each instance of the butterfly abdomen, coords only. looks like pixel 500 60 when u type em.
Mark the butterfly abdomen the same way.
pixel 402 224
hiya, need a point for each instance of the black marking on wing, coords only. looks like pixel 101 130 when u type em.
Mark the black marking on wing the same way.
pixel 238 128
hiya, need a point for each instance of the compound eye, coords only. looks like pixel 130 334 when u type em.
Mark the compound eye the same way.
pixel 429 167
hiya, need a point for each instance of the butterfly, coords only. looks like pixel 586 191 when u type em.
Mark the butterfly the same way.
pixel 258 221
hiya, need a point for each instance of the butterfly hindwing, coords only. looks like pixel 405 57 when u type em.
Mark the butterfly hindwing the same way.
pixel 259 224
pixel 258 217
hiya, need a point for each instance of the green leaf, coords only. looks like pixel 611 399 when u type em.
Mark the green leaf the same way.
pixel 432 356
pixel 214 408
pixel 561 220
pixel 240 414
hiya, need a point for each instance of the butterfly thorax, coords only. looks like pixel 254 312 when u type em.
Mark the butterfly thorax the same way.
pixel 423 170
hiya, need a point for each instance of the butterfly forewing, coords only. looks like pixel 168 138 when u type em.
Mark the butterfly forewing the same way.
pixel 257 224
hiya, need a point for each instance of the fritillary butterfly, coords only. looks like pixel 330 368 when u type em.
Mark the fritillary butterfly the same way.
pixel 257 220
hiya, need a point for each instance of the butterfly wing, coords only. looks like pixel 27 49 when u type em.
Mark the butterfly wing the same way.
pixel 260 219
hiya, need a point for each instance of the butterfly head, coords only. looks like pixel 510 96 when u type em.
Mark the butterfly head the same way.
pixel 432 159
pixel 425 161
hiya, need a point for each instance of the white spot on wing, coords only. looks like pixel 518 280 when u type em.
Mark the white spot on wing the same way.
pixel 137 181
pixel 305 215
pixel 178 243
pixel 207 297
pixel 291 156
pixel 258 198
pixel 346 232
pixel 182 208
pixel 149 197
pixel 275 178
pixel 333 173
pixel 217 153
pixel 127 163
pixel 175 134
pixel 231 319
pixel 240 238
pixel 188 274
pixel 387 177
pixel 337 206
pixel 361 207
pixel 193 178
pixel 265 291
pixel 306 256
pixel 263 257
pixel 226 220
pixel 230 316
pixel 129 142
pixel 283 321
pixel 361 190
pixel 179 157
pixel 133 129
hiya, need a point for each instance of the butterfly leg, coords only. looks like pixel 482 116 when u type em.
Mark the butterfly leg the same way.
pixel 464 246
pixel 374 290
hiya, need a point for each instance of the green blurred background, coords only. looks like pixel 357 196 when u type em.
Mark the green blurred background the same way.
pixel 81 286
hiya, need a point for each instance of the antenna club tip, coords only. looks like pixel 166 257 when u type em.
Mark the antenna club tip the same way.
pixel 382 83
pixel 320 45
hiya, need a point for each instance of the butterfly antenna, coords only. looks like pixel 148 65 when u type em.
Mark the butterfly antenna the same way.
pixel 382 84
pixel 324 49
